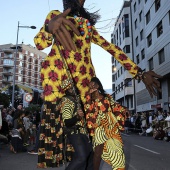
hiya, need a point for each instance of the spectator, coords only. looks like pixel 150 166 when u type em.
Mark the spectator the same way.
pixel 4 113
pixel 16 140
pixel 9 118
pixel 26 122
pixel 143 123
pixel 127 124
pixel 35 149
pixel 150 118
pixel 159 133
pixel 167 119
pixel 17 112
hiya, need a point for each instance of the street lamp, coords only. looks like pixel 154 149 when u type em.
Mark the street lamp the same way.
pixel 16 51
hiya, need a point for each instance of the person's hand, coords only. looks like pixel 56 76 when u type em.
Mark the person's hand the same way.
pixel 151 82
pixel 57 27
pixel 92 87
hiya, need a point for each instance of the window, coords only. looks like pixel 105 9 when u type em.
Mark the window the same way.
pixel 139 1
pixel 159 29
pixel 140 16
pixel 131 101
pixel 8 62
pixel 135 23
pixel 149 40
pixel 21 56
pixel 125 28
pixel 137 41
pixel 143 54
pixel 19 78
pixel 146 1
pixel 137 59
pixel 9 55
pixel 157 4
pixel 134 7
pixel 113 78
pixel 141 35
pixel 161 56
pixel 151 67
pixel 128 82
pixel 126 49
pixel 121 85
pixel 148 18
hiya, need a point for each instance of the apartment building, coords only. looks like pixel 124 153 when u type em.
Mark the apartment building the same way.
pixel 150 45
pixel 28 63
pixel 122 84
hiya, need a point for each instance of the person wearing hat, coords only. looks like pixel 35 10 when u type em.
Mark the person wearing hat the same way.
pixel 75 129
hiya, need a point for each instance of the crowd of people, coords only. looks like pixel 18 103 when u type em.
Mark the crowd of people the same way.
pixel 153 123
pixel 19 127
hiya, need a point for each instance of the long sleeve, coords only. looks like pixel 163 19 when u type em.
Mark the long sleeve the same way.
pixel 44 39
pixel 116 52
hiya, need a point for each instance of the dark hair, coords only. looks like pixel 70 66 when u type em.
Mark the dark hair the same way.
pixel 101 90
pixel 19 126
pixel 78 10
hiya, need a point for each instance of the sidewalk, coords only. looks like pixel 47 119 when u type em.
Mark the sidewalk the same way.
pixel 19 161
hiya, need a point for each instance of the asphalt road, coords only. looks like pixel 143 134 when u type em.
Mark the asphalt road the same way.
pixel 145 153
pixel 142 153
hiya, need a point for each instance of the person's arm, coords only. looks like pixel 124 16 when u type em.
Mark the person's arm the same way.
pixel 67 114
pixel 55 25
pixel 44 39
pixel 149 78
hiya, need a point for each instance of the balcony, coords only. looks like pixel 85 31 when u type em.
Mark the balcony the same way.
pixel 8 50
pixel 8 56
pixel 7 73
pixel 6 81
pixel 8 65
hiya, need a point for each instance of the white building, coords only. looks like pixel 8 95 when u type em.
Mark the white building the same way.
pixel 149 40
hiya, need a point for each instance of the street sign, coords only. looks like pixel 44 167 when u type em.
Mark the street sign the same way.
pixel 28 97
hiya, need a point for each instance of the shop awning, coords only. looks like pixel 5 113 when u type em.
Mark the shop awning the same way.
pixel 28 89
pixel 4 88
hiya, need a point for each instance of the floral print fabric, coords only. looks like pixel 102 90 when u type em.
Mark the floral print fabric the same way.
pixel 104 127
pixel 53 71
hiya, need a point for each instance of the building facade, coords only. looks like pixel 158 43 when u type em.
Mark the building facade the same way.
pixel 150 48
pixel 28 64
pixel 122 84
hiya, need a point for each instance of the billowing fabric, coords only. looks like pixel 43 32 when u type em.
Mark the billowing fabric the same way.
pixel 79 63
pixel 51 149
pixel 104 127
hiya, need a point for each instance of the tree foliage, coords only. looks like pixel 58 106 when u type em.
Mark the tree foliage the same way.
pixel 4 99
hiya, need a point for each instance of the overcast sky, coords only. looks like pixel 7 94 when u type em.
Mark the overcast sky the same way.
pixel 34 12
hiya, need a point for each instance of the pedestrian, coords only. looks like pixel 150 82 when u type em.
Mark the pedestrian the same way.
pixel 105 118
pixel 71 33
pixel 75 129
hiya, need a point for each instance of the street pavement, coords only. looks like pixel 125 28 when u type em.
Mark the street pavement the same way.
pixel 142 153
pixel 19 161
pixel 146 153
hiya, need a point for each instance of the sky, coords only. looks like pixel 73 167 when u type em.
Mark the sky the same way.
pixel 34 12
